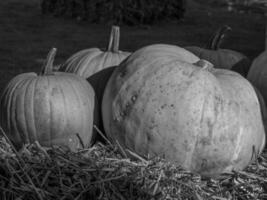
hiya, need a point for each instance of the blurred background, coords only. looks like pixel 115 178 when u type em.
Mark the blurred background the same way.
pixel 29 28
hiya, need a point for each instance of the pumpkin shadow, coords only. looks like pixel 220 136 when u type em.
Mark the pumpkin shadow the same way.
pixel 99 81
pixel 242 67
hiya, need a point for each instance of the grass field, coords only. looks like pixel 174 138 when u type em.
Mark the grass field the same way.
pixel 26 35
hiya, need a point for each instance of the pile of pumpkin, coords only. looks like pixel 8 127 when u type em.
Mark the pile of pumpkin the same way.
pixel 202 109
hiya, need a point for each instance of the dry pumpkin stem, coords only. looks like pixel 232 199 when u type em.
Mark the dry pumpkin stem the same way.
pixel 217 39
pixel 102 172
pixel 48 65
pixel 114 39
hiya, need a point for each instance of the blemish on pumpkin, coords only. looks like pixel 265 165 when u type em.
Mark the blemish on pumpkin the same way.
pixel 163 106
pixel 127 109
pixel 133 98
pixel 116 119
pixel 122 114
pixel 127 105
pixel 218 104
pixel 159 111
pixel 149 137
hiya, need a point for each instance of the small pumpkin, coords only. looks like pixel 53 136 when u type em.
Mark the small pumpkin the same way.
pixel 53 108
pixel 89 61
pixel 163 101
pixel 222 58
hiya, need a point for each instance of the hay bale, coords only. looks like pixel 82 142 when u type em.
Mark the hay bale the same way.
pixel 106 172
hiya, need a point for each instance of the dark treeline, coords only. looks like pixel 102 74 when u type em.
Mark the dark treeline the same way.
pixel 116 11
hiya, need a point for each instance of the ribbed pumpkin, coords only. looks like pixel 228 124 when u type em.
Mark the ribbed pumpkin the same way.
pixel 89 61
pixel 222 58
pixel 205 119
pixel 54 108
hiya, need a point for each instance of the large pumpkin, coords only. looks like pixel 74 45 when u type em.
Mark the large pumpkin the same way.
pixel 89 61
pixel 54 108
pixel 222 58
pixel 207 120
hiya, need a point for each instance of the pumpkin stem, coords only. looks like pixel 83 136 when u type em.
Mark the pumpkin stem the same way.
pixel 114 39
pixel 216 40
pixel 204 64
pixel 48 65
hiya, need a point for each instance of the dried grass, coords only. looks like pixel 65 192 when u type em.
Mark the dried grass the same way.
pixel 104 172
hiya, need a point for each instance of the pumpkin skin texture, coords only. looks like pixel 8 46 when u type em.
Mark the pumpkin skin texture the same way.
pixel 89 61
pixel 207 120
pixel 51 108
pixel 222 58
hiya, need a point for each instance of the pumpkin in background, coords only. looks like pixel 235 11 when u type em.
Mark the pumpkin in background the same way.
pixel 205 119
pixel 222 58
pixel 89 61
pixel 53 108
pixel 263 107
pixel 258 73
